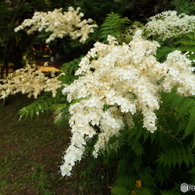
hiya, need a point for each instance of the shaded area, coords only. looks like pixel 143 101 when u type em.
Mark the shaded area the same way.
pixel 31 153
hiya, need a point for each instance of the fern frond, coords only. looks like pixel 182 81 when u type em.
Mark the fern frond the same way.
pixel 126 182
pixel 122 164
pixel 69 69
pixel 172 100
pixel 113 25
pixel 168 192
pixel 137 164
pixel 147 178
pixel 136 146
pixel 162 174
pixel 185 107
pixel 144 191
pixel 42 104
pixel 176 155
pixel 182 107
pixel 119 191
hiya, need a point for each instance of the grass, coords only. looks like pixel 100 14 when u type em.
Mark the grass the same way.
pixel 31 153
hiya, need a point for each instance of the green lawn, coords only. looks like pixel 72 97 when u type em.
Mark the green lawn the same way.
pixel 31 153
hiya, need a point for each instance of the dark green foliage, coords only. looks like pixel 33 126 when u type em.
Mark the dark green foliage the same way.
pixel 169 192
pixel 113 25
pixel 184 113
pixel 144 191
pixel 69 69
pixel 176 156
pixel 120 191
pixel 162 52
pixel 183 6
pixel 186 43
pixel 57 104
pixel 98 9
pixel 160 161
pixel 42 104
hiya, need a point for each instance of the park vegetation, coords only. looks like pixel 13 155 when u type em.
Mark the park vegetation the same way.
pixel 129 99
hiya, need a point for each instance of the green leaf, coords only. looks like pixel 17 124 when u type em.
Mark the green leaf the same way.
pixel 176 155
pixel 137 148
pixel 190 48
pixel 143 191
pixel 191 35
pixel 176 101
pixel 139 132
pixel 192 171
pixel 187 104
pixel 46 105
pixel 182 125
pixel 193 141
pixel 167 98
pixel 146 135
pixel 31 113
pixel 186 41
pixel 119 191
pixel 36 110
pixel 49 101
pixel 162 52
pixel 190 128
pixel 192 113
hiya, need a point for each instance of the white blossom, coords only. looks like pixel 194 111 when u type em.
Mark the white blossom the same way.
pixel 60 24
pixel 127 78
pixel 29 81
pixel 169 24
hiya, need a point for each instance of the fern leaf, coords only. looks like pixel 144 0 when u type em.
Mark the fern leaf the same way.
pixel 192 171
pixel 182 125
pixel 147 178
pixel 122 164
pixel 168 192
pixel 146 135
pixel 131 133
pixel 43 103
pixel 167 98
pixel 162 52
pixel 137 163
pixel 186 41
pixel 143 191
pixel 113 25
pixel 190 128
pixel 119 191
pixel 153 136
pixel 162 174
pixel 176 101
pixel 186 105
pixel 192 113
pixel 191 155
pixel 177 155
pixel 193 141
pixel 189 48
pixel 126 182
pixel 137 147
pixel 69 69
pixel 191 35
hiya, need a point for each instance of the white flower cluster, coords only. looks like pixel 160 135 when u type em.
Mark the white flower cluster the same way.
pixel 168 24
pixel 128 79
pixel 60 24
pixel 29 81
